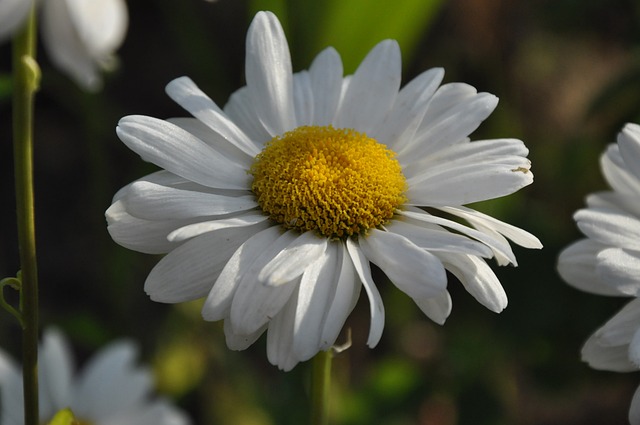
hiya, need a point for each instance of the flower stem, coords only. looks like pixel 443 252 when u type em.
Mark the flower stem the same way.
pixel 26 80
pixel 320 382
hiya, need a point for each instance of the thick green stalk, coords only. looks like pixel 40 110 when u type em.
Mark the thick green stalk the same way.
pixel 26 80
pixel 320 383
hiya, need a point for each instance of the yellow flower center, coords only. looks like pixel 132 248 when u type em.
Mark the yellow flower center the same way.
pixel 66 416
pixel 337 182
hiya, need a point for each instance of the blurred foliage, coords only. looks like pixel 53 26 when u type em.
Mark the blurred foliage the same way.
pixel 568 76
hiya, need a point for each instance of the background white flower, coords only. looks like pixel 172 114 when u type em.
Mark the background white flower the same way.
pixel 607 261
pixel 12 14
pixel 267 261
pixel 80 36
pixel 110 390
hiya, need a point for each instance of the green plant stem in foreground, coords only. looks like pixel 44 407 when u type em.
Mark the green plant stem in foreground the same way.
pixel 26 79
pixel 320 383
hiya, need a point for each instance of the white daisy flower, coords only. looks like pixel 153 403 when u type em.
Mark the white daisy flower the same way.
pixel 274 207
pixel 110 390
pixel 80 36
pixel 607 261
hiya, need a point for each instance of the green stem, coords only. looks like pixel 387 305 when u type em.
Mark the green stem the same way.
pixel 26 80
pixel 320 382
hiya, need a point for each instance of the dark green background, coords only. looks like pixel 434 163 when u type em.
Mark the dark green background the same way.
pixel 567 73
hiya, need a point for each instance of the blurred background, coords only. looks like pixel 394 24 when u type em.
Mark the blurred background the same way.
pixel 567 73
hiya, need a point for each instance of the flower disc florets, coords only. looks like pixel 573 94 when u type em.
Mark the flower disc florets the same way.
pixel 336 181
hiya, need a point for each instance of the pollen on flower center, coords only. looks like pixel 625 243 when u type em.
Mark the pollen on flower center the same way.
pixel 336 181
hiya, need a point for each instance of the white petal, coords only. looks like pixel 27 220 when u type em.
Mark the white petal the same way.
pixel 303 98
pixel 11 399
pixel 178 151
pixel 65 48
pixel 81 36
pixel 616 173
pixel 401 124
pixel 7 367
pixel 195 229
pixel 577 266
pixel 223 131
pixel 346 80
pixel 634 348
pixel 478 279
pixel 634 410
pixel 55 369
pixel 13 14
pixel 101 25
pixel 141 235
pixel 484 221
pixel 269 75
pixel 280 336
pixel 189 271
pixel 416 272
pixel 111 382
pixel 468 152
pixel 241 110
pixel 292 261
pixel 346 295
pixel 497 230
pixel 165 178
pixel 372 89
pixel 620 329
pixel 255 303
pixel 619 269
pixel 465 181
pixel 316 290
pixel 218 302
pixel 156 202
pixel 361 265
pixel 436 308
pixel 238 342
pixel 496 244
pixel 438 239
pixel 615 359
pixel 629 143
pixel 614 200
pixel 325 73
pixel 610 226
pixel 454 112
pixel 448 97
pixel 213 139
pixel 505 257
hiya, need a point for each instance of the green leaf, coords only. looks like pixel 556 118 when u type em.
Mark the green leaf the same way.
pixel 353 27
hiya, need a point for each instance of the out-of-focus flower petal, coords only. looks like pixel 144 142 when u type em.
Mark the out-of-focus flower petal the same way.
pixel 81 37
pixel 13 14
